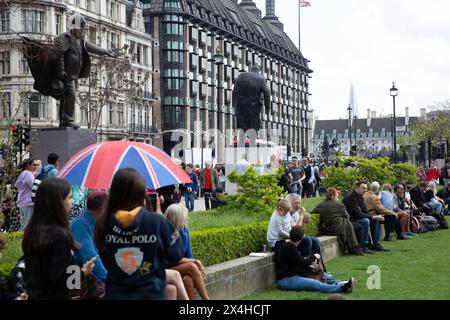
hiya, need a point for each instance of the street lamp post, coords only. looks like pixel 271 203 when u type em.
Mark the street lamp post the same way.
pixel 394 93
pixel 218 58
pixel 354 120
pixel 349 109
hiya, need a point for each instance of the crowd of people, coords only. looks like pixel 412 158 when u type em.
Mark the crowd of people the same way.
pixel 127 243
pixel 133 243
pixel 404 210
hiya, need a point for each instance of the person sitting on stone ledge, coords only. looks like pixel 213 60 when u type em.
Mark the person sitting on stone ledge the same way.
pixel 191 270
pixel 356 208
pixel 335 221
pixel 293 272
pixel 376 208
pixel 389 200
pixel 280 224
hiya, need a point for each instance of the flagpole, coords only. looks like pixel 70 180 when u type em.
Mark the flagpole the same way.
pixel 299 36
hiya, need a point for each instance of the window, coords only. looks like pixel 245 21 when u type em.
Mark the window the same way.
pixel 38 106
pixel 90 5
pixel 120 120
pixel 5 100
pixel 58 22
pixel 23 65
pixel 4 20
pixel 111 114
pixel 5 67
pixel 172 4
pixel 33 21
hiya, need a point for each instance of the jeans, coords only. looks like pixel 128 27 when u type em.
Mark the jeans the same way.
pixel 189 199
pixel 309 246
pixel 365 223
pixel 359 232
pixel 447 202
pixel 296 188
pixel 436 206
pixel 25 216
pixel 375 231
pixel 297 283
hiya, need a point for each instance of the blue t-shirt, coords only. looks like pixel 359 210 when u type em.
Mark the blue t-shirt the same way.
pixel 137 255
pixel 387 199
pixel 187 244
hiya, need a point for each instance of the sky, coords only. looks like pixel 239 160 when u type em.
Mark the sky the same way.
pixel 372 44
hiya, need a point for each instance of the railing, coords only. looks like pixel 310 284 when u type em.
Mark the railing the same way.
pixel 135 128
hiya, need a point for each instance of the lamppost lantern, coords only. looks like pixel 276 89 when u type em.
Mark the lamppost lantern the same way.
pixel 394 90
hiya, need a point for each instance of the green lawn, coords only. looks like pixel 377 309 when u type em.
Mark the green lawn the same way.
pixel 212 219
pixel 414 269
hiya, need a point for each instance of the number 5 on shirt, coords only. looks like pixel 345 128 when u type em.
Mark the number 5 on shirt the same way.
pixel 129 259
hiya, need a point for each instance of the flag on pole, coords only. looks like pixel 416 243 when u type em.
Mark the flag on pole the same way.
pixel 304 3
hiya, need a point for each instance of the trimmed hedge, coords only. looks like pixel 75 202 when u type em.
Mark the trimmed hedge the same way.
pixel 211 246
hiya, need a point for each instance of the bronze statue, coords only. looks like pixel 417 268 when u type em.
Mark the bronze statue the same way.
pixel 249 94
pixel 56 69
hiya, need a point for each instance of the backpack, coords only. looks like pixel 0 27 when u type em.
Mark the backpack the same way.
pixel 417 226
pixel 430 223
pixel 37 181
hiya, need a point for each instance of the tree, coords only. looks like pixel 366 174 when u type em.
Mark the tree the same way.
pixel 111 80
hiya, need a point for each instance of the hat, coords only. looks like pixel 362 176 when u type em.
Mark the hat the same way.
pixel 57 88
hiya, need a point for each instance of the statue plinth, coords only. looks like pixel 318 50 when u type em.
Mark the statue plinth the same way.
pixel 63 141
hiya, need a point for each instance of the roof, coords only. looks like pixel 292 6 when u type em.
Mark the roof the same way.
pixel 376 124
pixel 225 15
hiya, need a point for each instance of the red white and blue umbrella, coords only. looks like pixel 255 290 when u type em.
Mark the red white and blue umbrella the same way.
pixel 94 166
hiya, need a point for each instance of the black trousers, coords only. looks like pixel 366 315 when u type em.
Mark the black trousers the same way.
pixel 308 190
pixel 67 103
pixel 391 223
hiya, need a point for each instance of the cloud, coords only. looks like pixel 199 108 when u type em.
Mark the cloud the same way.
pixel 372 43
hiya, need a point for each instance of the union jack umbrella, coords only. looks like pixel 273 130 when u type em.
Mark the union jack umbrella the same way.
pixel 94 166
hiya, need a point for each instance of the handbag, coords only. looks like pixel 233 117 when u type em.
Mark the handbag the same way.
pixel 313 271
pixel 88 290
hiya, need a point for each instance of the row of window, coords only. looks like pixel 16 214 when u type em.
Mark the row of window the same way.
pixel 36 107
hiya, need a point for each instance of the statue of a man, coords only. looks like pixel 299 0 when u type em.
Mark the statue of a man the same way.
pixel 56 70
pixel 249 94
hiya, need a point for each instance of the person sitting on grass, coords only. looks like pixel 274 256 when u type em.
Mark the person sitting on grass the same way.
pixel 335 221
pixel 433 201
pixel 444 194
pixel 291 266
pixel 298 216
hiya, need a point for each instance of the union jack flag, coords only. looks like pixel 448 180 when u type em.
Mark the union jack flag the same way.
pixel 304 3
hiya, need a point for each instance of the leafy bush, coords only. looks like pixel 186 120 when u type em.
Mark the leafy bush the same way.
pixel 255 192
pixel 404 173
pixel 349 170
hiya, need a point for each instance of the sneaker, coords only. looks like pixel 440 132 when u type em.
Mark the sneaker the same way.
pixel 411 234
pixel 403 237
pixel 348 286
pixel 378 247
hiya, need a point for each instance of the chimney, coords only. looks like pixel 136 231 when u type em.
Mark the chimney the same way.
pixel 368 117
pixel 250 6
pixel 270 8
pixel 270 16
pixel 374 114
pixel 406 116
pixel 423 113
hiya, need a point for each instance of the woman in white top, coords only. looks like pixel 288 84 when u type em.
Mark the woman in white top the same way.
pixel 280 224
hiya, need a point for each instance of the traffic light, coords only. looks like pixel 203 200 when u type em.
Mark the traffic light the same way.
pixel 421 150
pixel 26 136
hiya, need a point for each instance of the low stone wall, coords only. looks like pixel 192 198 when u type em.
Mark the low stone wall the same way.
pixel 237 278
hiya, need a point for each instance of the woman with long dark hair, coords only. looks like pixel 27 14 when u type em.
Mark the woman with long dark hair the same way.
pixel 133 243
pixel 47 243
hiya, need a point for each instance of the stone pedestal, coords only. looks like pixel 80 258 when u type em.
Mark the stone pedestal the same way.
pixel 63 141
